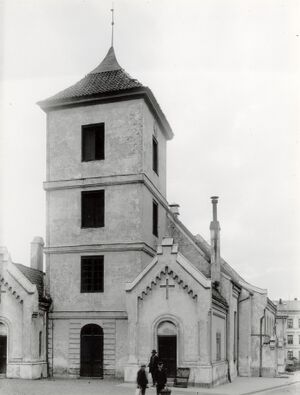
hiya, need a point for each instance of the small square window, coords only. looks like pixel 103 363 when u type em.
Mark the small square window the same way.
pixel 92 270
pixel 92 209
pixel 92 140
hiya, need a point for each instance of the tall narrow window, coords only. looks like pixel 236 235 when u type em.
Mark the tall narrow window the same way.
pixel 290 339
pixel 290 354
pixel 155 155
pixel 218 346
pixel 40 344
pixel 290 323
pixel 92 209
pixel 92 273
pixel 92 138
pixel 235 337
pixel 155 218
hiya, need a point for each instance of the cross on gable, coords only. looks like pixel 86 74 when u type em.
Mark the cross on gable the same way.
pixel 167 286
pixel 1 292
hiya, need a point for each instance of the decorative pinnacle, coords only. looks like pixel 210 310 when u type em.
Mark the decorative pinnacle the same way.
pixel 112 24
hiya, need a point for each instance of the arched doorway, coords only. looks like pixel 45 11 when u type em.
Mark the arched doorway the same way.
pixel 3 348
pixel 167 346
pixel 91 351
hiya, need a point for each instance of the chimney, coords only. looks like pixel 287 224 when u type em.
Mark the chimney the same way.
pixel 174 207
pixel 215 245
pixel 36 253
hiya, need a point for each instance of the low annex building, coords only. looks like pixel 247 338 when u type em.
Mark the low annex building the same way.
pixel 124 274
pixel 23 316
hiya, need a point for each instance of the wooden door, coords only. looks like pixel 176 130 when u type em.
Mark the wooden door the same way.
pixel 91 351
pixel 3 354
pixel 167 353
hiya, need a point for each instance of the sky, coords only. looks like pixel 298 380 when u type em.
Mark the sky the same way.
pixel 227 76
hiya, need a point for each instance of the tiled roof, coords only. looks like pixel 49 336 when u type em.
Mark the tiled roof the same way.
pixel 287 305
pixel 108 77
pixel 107 82
pixel 34 276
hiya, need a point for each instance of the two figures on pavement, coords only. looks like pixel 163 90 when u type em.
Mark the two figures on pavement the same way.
pixel 158 373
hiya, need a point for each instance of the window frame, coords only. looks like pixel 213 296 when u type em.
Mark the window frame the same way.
pixel 95 288
pixel 155 217
pixel 290 337
pixel 290 352
pixel 155 162
pixel 98 151
pixel 290 323
pixel 85 224
pixel 218 346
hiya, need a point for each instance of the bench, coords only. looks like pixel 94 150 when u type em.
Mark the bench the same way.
pixel 182 377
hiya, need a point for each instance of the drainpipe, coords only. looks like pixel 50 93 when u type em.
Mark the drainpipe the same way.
pixel 238 332
pixel 47 339
pixel 261 343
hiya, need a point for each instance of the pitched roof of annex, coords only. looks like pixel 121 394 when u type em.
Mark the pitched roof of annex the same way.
pixel 108 81
pixel 34 276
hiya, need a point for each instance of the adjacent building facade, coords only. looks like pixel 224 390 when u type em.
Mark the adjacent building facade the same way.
pixel 291 310
pixel 23 316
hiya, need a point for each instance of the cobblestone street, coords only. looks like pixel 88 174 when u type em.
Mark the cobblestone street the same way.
pixel 241 386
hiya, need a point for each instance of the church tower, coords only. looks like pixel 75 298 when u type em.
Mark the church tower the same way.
pixel 106 212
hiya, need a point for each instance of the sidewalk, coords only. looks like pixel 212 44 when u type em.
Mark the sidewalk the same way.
pixel 240 386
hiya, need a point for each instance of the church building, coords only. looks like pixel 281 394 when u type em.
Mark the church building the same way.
pixel 124 274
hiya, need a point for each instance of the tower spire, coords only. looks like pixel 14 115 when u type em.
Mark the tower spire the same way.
pixel 112 24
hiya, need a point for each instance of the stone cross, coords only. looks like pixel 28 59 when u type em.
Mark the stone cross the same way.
pixel 1 292
pixel 167 286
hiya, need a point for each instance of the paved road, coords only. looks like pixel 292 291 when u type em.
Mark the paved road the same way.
pixel 106 387
pixel 293 389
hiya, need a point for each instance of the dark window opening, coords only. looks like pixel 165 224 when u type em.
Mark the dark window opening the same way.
pixel 92 209
pixel 155 155
pixel 92 142
pixel 40 344
pixel 155 218
pixel 218 346
pixel 235 337
pixel 92 274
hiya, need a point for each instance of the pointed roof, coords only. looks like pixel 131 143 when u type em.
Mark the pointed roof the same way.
pixel 109 63
pixel 108 81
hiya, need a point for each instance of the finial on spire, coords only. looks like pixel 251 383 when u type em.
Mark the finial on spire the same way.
pixel 112 25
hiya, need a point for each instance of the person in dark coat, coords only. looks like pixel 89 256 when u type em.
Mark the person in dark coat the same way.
pixel 153 366
pixel 161 378
pixel 141 379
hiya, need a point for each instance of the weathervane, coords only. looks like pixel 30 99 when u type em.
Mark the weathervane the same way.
pixel 112 25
